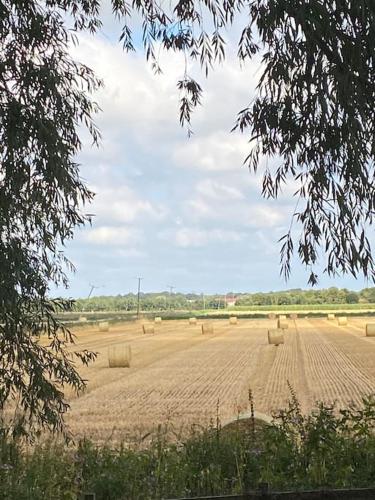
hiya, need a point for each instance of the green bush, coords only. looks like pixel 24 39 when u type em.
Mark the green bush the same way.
pixel 329 448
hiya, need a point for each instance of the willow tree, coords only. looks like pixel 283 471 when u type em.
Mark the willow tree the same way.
pixel 313 115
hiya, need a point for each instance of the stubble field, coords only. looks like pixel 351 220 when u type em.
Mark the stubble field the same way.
pixel 182 378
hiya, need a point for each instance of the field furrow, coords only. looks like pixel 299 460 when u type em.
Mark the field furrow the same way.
pixel 180 376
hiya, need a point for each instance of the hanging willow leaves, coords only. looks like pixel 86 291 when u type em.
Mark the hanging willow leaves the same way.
pixel 44 97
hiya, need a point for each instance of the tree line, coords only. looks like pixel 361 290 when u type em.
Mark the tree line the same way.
pixel 163 301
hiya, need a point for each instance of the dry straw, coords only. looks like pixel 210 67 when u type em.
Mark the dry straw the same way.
pixel 293 316
pixel 281 324
pixel 157 319
pixel 342 321
pixel 233 320
pixel 119 356
pixel 207 328
pixel 82 319
pixel 192 321
pixel 103 326
pixel 330 317
pixel 272 316
pixel 275 337
pixel 148 329
pixel 370 330
pixel 282 316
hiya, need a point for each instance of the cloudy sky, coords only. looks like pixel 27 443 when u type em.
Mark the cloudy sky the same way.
pixel 176 211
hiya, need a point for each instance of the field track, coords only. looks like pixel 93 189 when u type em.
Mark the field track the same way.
pixel 181 377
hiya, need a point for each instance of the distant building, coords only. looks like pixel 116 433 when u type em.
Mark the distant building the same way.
pixel 231 301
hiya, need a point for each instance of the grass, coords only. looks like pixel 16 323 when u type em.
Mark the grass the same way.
pixel 312 310
pixel 325 449
pixel 305 307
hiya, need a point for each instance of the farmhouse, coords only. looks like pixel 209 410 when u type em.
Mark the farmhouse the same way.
pixel 231 301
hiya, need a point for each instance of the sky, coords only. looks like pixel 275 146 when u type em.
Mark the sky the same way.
pixel 177 211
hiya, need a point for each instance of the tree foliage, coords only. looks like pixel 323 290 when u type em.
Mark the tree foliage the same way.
pixel 163 301
pixel 44 97
pixel 312 118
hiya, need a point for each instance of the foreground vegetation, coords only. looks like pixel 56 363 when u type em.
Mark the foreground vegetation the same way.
pixel 327 448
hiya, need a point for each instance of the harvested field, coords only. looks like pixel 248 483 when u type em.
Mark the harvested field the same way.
pixel 180 376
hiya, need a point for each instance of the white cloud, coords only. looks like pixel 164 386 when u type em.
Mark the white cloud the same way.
pixel 217 152
pixel 122 204
pixel 113 236
pixel 242 212
pixel 261 216
pixel 133 98
pixel 193 237
pixel 218 190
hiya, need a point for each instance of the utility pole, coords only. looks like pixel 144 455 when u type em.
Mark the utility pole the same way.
pixel 171 288
pixel 139 295
pixel 93 287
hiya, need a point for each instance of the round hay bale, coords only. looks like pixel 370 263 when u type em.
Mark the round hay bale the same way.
pixel 282 325
pixel 148 329
pixel 207 328
pixel 293 316
pixel 103 326
pixel 272 316
pixel 192 321
pixel 157 319
pixel 82 319
pixel 330 317
pixel 233 320
pixel 275 337
pixel 342 321
pixel 119 356
pixel 370 330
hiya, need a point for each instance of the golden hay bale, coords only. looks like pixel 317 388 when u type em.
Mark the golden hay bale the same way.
pixel 119 356
pixel 233 320
pixel 330 317
pixel 207 328
pixel 157 319
pixel 82 319
pixel 148 329
pixel 192 321
pixel 281 324
pixel 272 316
pixel 103 326
pixel 275 337
pixel 370 330
pixel 293 316
pixel 342 321
pixel 282 316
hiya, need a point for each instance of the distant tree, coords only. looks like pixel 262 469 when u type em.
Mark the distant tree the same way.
pixel 352 298
pixel 368 295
